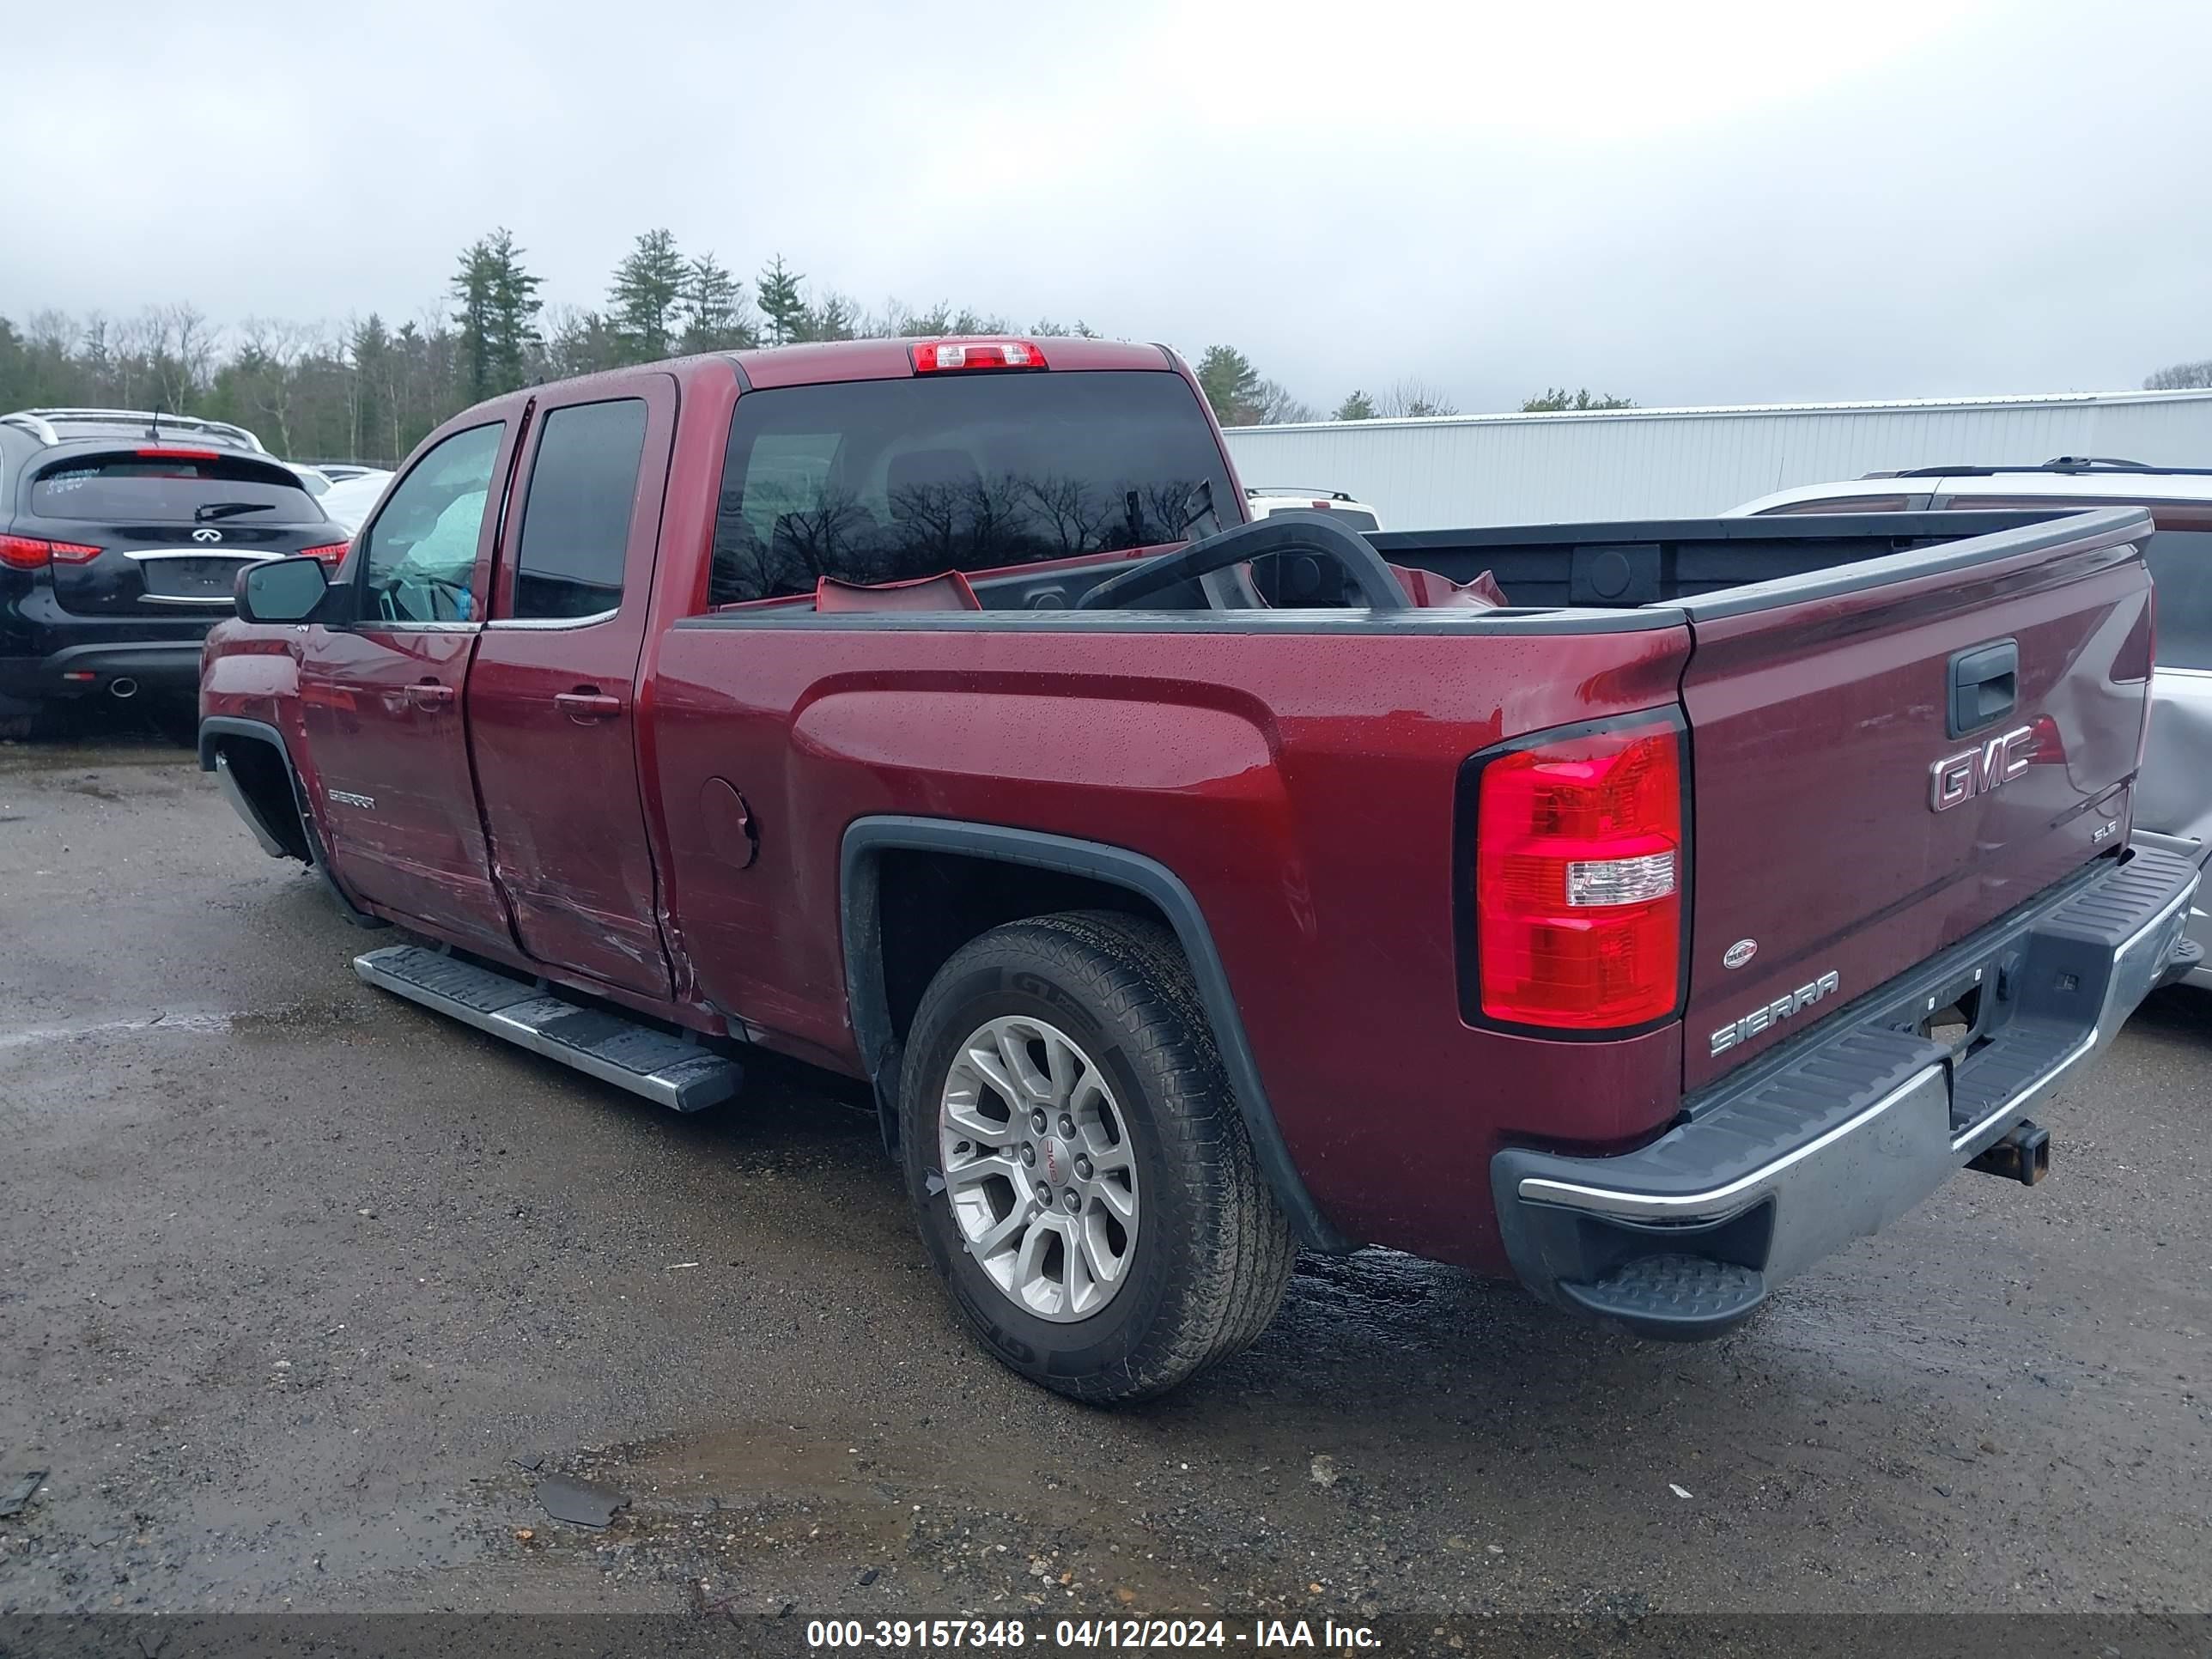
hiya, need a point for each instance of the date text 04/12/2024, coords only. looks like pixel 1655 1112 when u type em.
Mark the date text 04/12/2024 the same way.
pixel 1325 1637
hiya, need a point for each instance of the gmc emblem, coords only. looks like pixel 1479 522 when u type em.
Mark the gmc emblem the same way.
pixel 1978 771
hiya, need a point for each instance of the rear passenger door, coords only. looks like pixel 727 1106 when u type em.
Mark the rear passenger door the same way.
pixel 553 722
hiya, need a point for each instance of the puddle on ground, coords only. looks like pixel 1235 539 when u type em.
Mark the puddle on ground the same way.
pixel 285 1022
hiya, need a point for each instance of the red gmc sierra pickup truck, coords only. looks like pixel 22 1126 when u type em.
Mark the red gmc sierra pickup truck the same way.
pixel 1642 910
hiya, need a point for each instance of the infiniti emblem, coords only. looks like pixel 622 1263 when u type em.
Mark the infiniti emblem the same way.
pixel 208 535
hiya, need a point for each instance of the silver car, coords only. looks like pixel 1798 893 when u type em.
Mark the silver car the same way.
pixel 351 498
pixel 2173 797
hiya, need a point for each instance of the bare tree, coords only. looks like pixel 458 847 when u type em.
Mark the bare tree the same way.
pixel 132 343
pixel 2181 377
pixel 1413 397
pixel 271 353
pixel 50 331
pixel 182 345
pixel 1278 408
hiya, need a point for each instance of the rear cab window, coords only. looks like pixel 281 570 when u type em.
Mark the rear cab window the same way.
pixel 151 486
pixel 883 481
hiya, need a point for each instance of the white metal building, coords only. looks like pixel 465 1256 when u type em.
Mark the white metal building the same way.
pixel 1434 473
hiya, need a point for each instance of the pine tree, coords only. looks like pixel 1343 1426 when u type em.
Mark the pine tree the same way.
pixel 1231 385
pixel 1558 400
pixel 835 318
pixel 369 346
pixel 646 295
pixel 580 343
pixel 781 293
pixel 499 309
pixel 712 309
pixel 472 287
pixel 516 306
pixel 1358 407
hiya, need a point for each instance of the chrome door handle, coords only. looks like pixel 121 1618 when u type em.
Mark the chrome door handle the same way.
pixel 429 694
pixel 586 707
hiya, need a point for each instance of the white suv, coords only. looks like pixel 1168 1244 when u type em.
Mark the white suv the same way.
pixel 2174 795
pixel 1353 515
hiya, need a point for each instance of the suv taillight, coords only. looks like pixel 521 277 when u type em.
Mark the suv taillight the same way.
pixel 1579 879
pixel 27 553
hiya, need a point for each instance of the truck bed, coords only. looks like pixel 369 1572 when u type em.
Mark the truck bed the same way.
pixel 1853 816
pixel 1664 561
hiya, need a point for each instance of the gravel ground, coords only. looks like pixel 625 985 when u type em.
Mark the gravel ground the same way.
pixel 303 1292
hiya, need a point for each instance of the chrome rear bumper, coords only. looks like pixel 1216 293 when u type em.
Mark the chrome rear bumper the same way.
pixel 1854 1124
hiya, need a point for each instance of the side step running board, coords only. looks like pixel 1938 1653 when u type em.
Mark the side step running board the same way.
pixel 633 1056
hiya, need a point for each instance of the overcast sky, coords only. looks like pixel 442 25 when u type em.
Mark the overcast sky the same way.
pixel 1699 202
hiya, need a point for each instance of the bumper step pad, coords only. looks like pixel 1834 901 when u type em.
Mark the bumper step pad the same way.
pixel 1678 1298
pixel 628 1053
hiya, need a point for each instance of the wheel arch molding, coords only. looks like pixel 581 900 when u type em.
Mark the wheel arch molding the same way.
pixel 214 732
pixel 1151 885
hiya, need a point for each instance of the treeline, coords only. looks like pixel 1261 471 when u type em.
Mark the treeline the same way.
pixel 2181 377
pixel 370 388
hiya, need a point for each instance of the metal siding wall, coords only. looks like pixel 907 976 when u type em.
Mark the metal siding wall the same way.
pixel 1433 475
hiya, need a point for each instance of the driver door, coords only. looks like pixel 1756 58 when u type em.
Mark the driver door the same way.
pixel 380 696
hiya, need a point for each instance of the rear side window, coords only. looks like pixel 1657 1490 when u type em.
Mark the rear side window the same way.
pixel 136 487
pixel 878 481
pixel 2181 565
pixel 575 524
pixel 419 556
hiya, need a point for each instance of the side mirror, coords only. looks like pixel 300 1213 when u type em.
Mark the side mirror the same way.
pixel 282 590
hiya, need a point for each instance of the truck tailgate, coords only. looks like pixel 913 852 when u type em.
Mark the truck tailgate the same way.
pixel 1867 784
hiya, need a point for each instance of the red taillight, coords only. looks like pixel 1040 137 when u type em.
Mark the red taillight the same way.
pixel 940 357
pixel 330 553
pixel 1578 880
pixel 169 454
pixel 28 553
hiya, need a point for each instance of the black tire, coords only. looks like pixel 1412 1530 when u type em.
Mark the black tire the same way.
pixel 1214 1250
